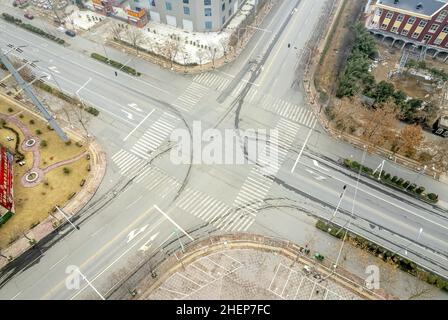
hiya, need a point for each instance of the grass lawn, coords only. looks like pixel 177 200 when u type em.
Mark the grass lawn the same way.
pixel 32 205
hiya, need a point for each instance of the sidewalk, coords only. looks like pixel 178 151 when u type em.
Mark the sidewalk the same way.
pixel 73 206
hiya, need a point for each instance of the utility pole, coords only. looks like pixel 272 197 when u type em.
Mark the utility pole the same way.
pixel 66 218
pixel 339 203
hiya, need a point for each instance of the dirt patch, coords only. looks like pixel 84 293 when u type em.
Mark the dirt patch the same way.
pixel 337 50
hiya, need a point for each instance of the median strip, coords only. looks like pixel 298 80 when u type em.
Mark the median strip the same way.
pixel 115 64
pixel 29 27
pixel 395 182
pixel 384 254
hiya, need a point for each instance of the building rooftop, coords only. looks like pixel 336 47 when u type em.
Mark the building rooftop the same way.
pixel 425 7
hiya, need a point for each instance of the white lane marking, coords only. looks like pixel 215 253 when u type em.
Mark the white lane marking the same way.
pixel 59 261
pixel 147 245
pixel 317 165
pixel 82 87
pixel 173 222
pixel 303 148
pixel 141 122
pixel 128 114
pixel 134 202
pixel 16 295
pixel 54 69
pixel 96 94
pixel 121 256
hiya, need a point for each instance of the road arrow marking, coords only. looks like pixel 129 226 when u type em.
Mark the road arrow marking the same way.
pixel 134 106
pixel 316 164
pixel 136 232
pixel 148 243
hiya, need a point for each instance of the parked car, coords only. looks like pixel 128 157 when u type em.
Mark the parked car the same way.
pixel 29 16
pixel 70 33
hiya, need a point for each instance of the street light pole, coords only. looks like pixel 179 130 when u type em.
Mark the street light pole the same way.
pixel 418 175
pixel 339 203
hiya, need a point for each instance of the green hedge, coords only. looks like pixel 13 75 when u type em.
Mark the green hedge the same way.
pixel 115 64
pixel 32 28
pixel 386 178
pixel 386 255
pixel 5 217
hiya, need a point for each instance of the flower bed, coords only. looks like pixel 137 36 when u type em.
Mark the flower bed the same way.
pixel 115 64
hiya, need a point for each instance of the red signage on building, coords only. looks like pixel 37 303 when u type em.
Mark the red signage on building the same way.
pixel 6 177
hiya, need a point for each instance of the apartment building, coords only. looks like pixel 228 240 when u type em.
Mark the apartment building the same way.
pixel 417 22
pixel 190 15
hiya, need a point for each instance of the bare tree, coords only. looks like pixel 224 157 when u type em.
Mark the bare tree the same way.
pixel 379 124
pixel 77 114
pixel 201 54
pixel 225 45
pixel 211 54
pixel 135 37
pixel 170 49
pixel 410 139
pixel 185 57
pixel 117 31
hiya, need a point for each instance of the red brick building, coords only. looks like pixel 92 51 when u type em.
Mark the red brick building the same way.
pixel 411 22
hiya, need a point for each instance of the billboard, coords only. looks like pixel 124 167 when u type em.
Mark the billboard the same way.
pixel 6 179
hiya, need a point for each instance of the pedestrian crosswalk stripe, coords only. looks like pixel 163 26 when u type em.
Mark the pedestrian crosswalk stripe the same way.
pixel 153 138
pixel 190 97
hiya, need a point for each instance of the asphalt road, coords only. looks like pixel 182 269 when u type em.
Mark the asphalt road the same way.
pixel 123 224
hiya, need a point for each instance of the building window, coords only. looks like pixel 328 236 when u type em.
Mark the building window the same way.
pixel 389 15
pixel 400 17
pixel 208 12
pixel 186 1
pixel 416 35
pixel 187 10
pixel 223 20
pixel 404 32
pixel 394 30
pixel 384 26
pixel 437 41
pixel 411 20
pixel 153 3
pixel 433 28
pixel 445 29
pixel 207 2
pixel 427 38
pixel 168 6
pixel 379 12
pixel 208 25
pixel 441 17
pixel 422 23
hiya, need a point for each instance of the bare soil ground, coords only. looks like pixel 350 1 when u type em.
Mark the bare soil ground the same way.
pixel 34 204
pixel 339 47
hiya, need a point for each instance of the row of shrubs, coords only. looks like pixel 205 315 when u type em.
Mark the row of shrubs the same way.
pixel 400 183
pixel 115 64
pixel 387 256
pixel 42 85
pixel 32 28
